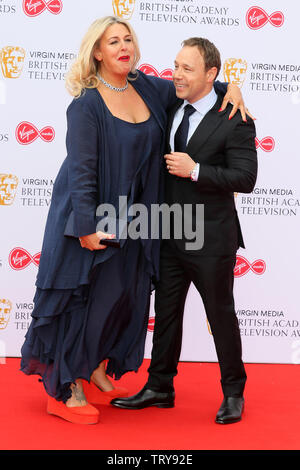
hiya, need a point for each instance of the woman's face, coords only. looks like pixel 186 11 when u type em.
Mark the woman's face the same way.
pixel 116 51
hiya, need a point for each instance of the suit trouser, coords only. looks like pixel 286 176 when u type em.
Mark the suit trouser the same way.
pixel 213 278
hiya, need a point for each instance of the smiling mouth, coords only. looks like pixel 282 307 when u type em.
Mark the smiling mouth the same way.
pixel 124 58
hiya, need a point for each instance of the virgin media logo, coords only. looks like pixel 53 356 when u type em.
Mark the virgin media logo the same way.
pixel 26 133
pixel 150 70
pixel 19 258
pixel 267 144
pixel 36 7
pixel 256 18
pixel 243 266
pixel 151 324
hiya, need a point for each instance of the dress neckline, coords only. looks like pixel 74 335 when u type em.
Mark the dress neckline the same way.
pixel 119 119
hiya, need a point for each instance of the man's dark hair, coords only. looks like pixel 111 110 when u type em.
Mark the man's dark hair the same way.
pixel 208 50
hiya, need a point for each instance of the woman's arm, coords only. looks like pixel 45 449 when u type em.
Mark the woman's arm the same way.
pixel 82 148
pixel 83 178
pixel 234 96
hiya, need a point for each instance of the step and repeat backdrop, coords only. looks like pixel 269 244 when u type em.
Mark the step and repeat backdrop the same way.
pixel 39 39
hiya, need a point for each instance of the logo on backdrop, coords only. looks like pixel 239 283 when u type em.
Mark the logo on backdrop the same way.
pixel 8 189
pixel 26 133
pixel 151 324
pixel 36 7
pixel 5 309
pixel 12 61
pixel 123 8
pixel 33 192
pixel 7 7
pixel 267 143
pixel 256 18
pixel 150 70
pixel 235 71
pixel 243 266
pixel 3 137
pixel 19 258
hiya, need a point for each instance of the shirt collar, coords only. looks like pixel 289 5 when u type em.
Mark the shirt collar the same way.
pixel 204 104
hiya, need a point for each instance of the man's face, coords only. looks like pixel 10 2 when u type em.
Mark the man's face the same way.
pixel 123 8
pixel 190 78
pixel 12 61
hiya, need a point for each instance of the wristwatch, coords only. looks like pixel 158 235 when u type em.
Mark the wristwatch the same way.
pixel 195 173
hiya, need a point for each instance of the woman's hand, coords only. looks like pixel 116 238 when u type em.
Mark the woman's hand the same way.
pixel 235 97
pixel 92 242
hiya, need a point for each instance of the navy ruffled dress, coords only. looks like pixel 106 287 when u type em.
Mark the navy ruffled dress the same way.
pixel 105 317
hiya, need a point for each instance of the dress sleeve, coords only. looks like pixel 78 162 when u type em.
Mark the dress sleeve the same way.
pixel 83 155
pixel 221 87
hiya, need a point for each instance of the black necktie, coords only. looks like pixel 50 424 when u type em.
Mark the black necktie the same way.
pixel 183 129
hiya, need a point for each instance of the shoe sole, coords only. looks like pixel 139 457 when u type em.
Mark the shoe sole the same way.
pixel 158 405
pixel 72 417
pixel 229 421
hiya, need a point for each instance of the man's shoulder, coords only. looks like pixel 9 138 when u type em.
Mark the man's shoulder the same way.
pixel 237 119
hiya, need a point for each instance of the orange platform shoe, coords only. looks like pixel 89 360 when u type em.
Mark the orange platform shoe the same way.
pixel 96 396
pixel 87 414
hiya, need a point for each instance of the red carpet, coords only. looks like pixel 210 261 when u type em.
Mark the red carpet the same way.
pixel 270 422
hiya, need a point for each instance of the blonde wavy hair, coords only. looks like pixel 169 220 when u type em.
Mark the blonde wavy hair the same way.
pixel 83 72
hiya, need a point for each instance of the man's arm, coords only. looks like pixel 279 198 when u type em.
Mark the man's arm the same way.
pixel 240 170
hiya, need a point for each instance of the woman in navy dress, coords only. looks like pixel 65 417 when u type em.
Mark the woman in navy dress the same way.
pixel 92 301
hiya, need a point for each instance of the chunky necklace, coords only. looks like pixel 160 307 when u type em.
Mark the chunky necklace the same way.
pixel 111 87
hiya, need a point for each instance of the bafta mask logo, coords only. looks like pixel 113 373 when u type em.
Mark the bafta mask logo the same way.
pixel 12 61
pixel 123 8
pixel 5 309
pixel 235 71
pixel 208 327
pixel 8 188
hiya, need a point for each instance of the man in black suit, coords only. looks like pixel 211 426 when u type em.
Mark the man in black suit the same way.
pixel 210 157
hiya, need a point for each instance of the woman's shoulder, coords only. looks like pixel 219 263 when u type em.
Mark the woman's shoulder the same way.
pixel 156 82
pixel 87 101
pixel 163 89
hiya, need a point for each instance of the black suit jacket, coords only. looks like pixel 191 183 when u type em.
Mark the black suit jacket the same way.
pixel 227 155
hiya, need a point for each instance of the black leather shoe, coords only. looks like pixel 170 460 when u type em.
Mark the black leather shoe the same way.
pixel 231 410
pixel 145 398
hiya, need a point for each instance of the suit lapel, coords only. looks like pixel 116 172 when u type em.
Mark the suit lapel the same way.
pixel 207 126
